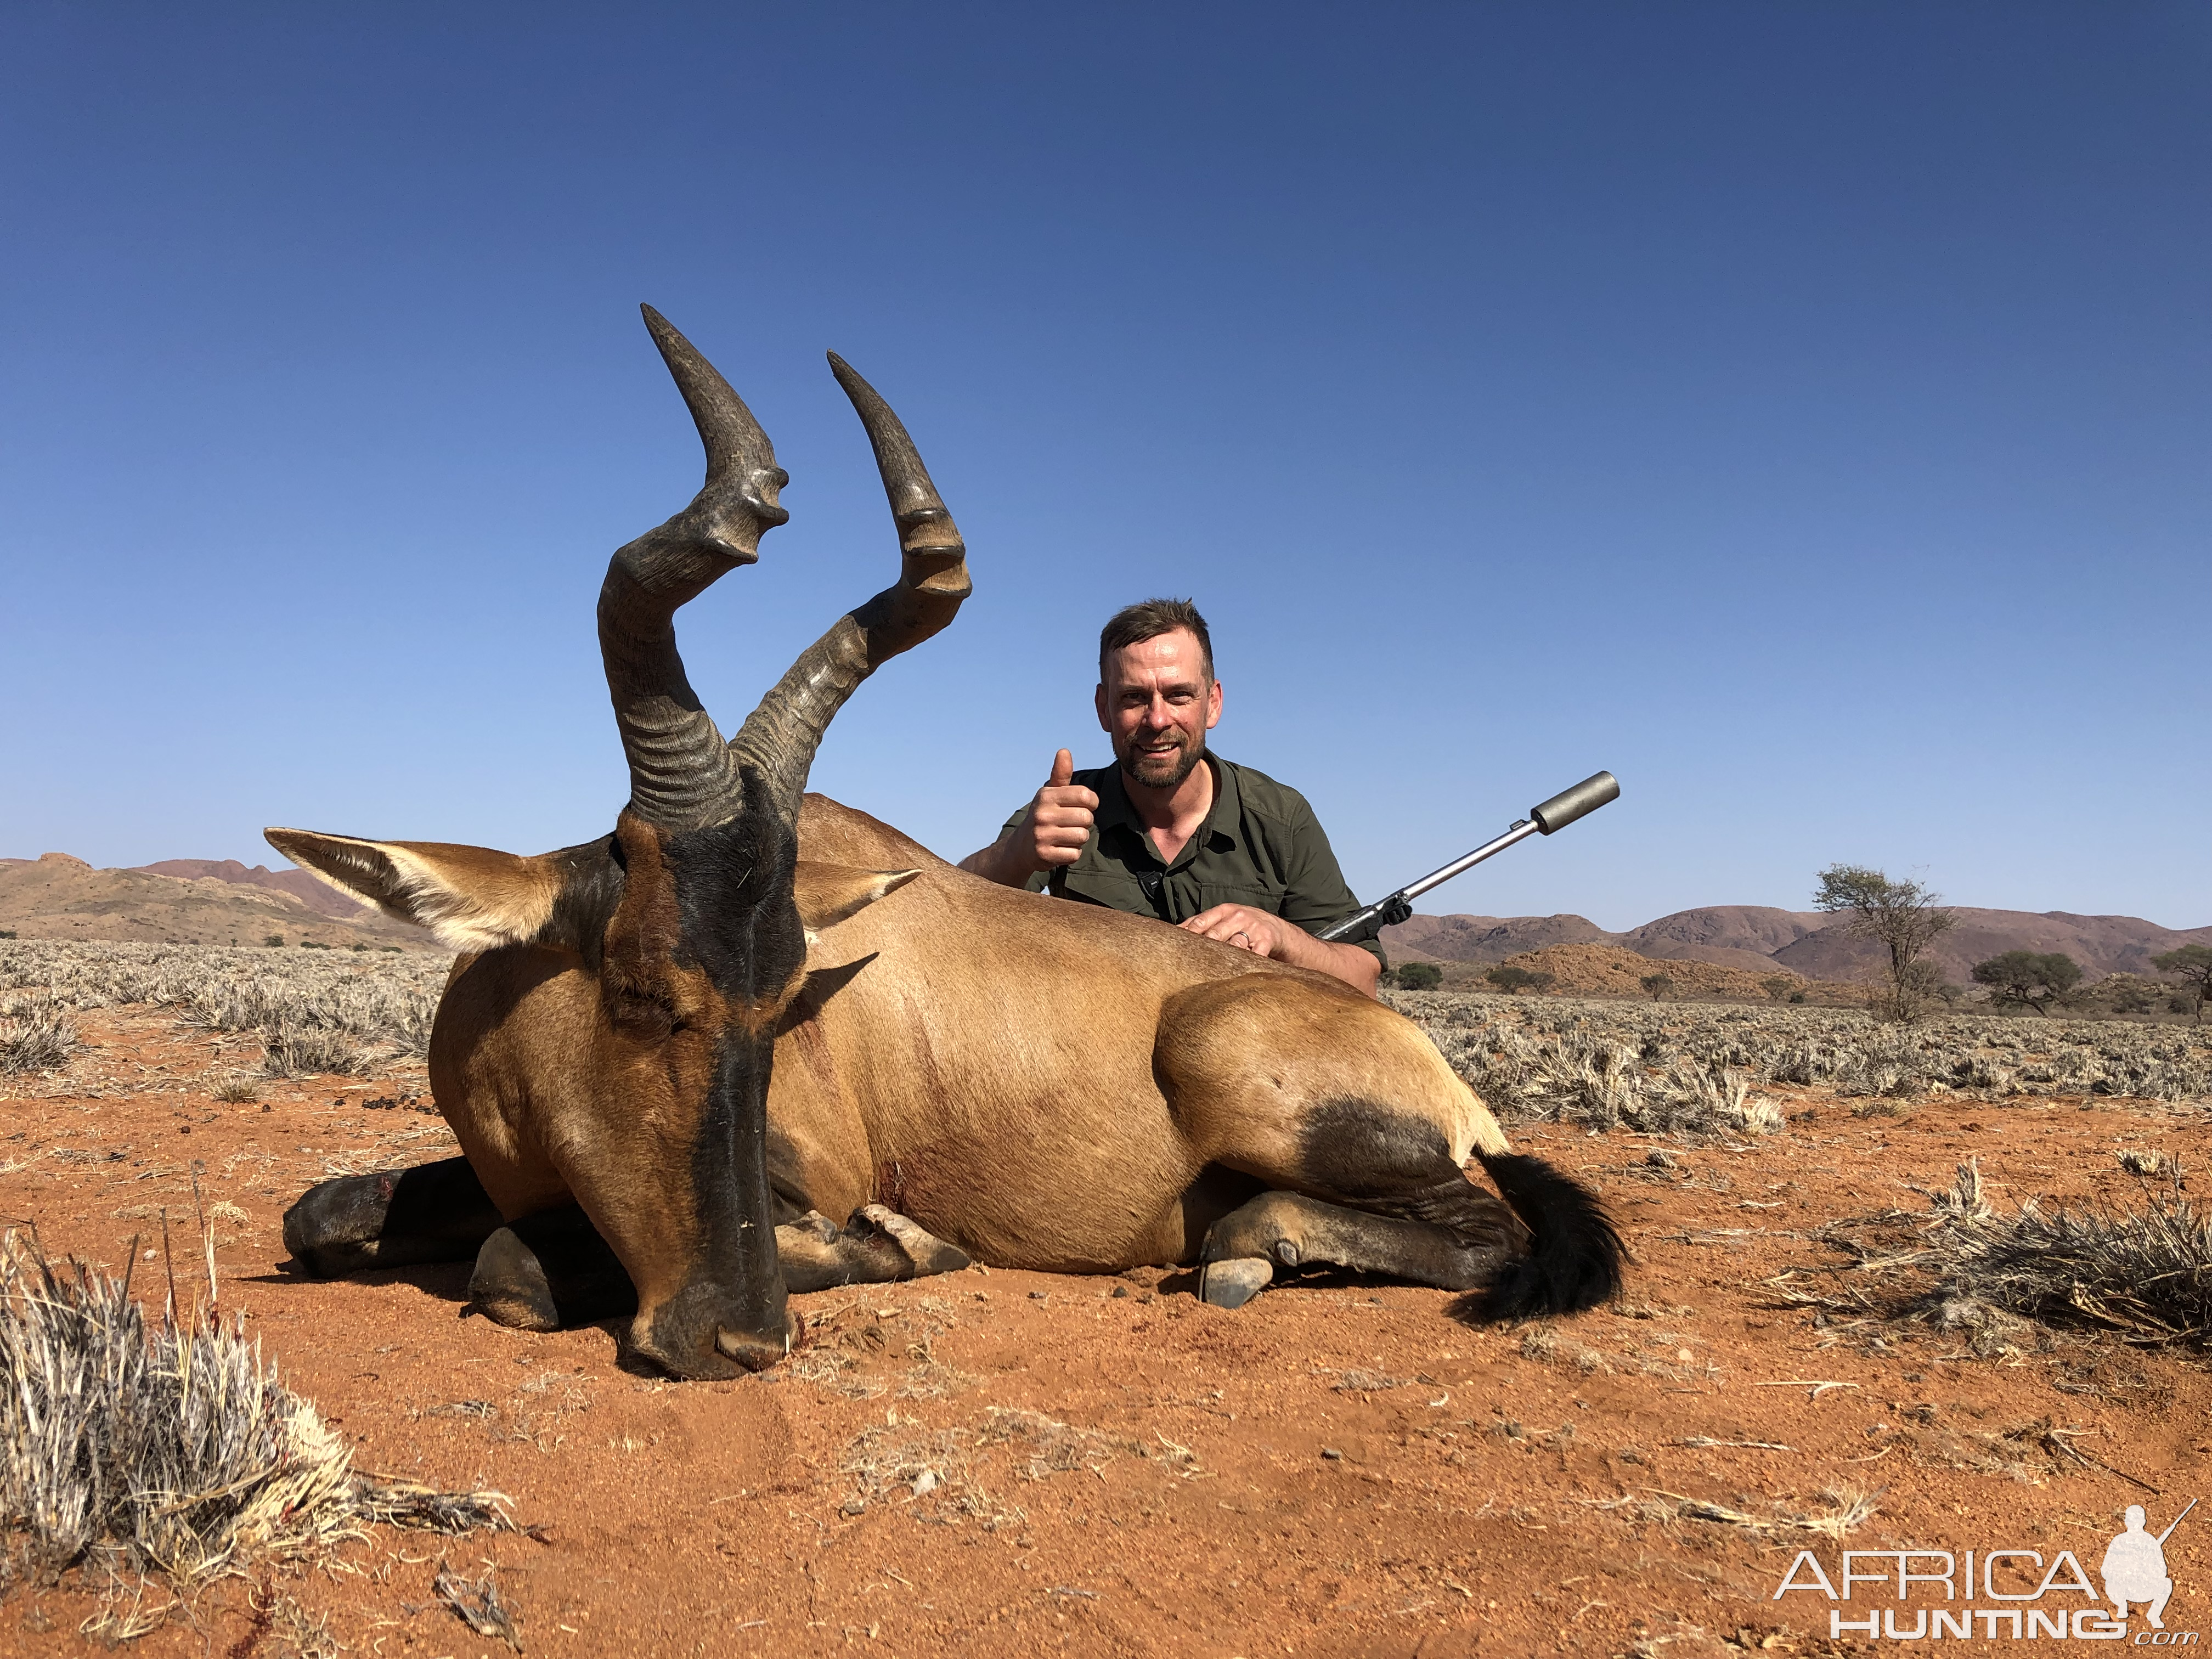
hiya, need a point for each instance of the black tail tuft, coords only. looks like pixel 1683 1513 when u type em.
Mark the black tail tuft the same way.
pixel 1574 1256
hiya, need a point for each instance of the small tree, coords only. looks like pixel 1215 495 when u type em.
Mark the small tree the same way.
pixel 1657 984
pixel 2027 980
pixel 1904 917
pixel 1419 977
pixel 1508 978
pixel 274 940
pixel 2192 965
pixel 1778 985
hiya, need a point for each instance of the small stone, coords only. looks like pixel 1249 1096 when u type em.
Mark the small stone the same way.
pixel 852 1506
pixel 1331 1454
pixel 1038 1296
pixel 1119 1291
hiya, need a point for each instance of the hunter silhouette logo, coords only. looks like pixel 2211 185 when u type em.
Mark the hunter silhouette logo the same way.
pixel 2024 1596
pixel 2135 1566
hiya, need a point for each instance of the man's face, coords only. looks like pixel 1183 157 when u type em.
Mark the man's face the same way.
pixel 1157 704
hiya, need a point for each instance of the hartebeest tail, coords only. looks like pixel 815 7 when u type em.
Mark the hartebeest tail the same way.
pixel 1574 1252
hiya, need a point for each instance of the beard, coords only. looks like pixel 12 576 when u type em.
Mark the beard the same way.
pixel 1161 770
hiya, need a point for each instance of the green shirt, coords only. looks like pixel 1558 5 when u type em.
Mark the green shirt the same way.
pixel 1260 847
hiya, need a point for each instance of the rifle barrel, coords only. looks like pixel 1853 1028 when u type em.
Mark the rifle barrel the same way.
pixel 2177 1520
pixel 1556 813
pixel 1521 831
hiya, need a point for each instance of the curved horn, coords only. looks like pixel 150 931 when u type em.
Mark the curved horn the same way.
pixel 681 776
pixel 780 736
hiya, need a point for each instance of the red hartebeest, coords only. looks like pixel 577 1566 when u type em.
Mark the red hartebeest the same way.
pixel 670 1054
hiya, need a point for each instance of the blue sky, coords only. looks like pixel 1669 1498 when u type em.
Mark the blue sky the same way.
pixel 1800 411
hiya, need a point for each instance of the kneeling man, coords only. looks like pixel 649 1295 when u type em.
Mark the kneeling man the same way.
pixel 1171 830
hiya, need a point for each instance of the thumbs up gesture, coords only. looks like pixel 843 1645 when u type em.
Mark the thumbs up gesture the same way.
pixel 1059 819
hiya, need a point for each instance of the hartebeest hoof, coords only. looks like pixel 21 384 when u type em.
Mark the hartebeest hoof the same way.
pixel 1233 1283
pixel 549 1270
pixel 509 1286
pixel 929 1253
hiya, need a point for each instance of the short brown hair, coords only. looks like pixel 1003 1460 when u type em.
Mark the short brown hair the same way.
pixel 1133 624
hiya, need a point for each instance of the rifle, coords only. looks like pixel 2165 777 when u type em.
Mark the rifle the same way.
pixel 1554 815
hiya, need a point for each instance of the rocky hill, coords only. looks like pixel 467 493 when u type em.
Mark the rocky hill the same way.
pixel 317 895
pixel 58 896
pixel 1756 939
pixel 1583 970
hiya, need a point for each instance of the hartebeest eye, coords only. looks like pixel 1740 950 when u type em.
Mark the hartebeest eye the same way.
pixel 643 1011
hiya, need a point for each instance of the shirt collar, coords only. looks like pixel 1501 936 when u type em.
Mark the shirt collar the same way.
pixel 1218 832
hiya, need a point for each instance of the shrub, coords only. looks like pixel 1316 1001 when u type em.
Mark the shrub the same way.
pixel 273 940
pixel 1526 1057
pixel 2025 979
pixel 1778 986
pixel 1420 976
pixel 1511 979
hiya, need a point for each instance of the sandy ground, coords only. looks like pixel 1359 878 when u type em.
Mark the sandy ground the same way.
pixel 997 1462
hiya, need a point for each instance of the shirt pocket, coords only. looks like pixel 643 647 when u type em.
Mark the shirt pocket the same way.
pixel 1260 896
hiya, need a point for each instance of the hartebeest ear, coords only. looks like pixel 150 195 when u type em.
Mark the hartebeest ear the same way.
pixel 471 897
pixel 827 893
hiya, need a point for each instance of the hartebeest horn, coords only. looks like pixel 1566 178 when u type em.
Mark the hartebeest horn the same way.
pixel 681 775
pixel 780 736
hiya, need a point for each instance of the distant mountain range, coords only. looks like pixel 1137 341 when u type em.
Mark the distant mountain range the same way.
pixel 215 902
pixel 1810 943
pixel 187 902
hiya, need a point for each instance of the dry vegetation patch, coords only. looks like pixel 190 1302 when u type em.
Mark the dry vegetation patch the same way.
pixel 315 1012
pixel 1696 1070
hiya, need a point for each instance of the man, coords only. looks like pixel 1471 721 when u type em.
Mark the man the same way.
pixel 1171 830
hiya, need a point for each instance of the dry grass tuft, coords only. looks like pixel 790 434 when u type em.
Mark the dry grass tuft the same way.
pixel 2144 1274
pixel 166 1448
pixel 35 1035
pixel 477 1604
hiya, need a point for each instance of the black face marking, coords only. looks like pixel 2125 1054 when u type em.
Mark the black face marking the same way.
pixel 738 923
pixel 736 914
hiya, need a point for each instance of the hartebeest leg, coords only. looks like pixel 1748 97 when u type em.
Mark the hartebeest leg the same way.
pixel 433 1213
pixel 875 1247
pixel 1289 1229
pixel 553 1269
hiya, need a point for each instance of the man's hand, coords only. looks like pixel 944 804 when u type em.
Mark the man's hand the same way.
pixel 1248 930
pixel 1053 832
pixel 1283 941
